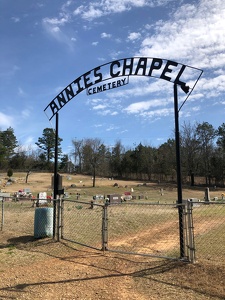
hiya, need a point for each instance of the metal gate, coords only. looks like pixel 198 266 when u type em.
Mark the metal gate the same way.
pixel 141 229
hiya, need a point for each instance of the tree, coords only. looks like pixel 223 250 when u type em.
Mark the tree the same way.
pixel 116 159
pixel 144 160
pixel 10 173
pixel 77 153
pixel 65 164
pixel 219 158
pixel 205 134
pixel 27 175
pixel 166 160
pixel 190 150
pixel 217 166
pixel 8 144
pixel 18 161
pixel 93 155
pixel 148 160
pixel 127 163
pixel 47 144
pixel 221 137
pixel 21 160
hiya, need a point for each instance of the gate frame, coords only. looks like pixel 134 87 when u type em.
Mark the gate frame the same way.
pixel 188 229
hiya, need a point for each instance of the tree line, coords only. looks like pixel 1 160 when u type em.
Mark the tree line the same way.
pixel 202 149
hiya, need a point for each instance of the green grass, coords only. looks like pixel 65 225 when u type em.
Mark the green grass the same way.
pixel 11 247
pixel 211 243
pixel 210 211
pixel 129 218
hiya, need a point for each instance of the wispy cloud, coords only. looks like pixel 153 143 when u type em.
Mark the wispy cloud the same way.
pixel 105 35
pixel 99 107
pixel 21 92
pixel 8 70
pixel 133 36
pixel 55 28
pixel 15 19
pixel 97 9
pixel 26 113
pixel 159 113
pixel 6 121
pixel 138 107
pixel 112 127
pixel 55 22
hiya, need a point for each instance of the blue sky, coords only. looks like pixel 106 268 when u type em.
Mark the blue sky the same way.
pixel 45 45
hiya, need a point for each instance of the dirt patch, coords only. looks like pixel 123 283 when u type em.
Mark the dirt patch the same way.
pixel 151 240
pixel 45 269
pixel 157 240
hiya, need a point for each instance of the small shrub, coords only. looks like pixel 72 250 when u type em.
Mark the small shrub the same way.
pixel 10 173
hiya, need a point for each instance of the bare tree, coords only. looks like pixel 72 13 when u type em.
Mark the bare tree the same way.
pixel 93 154
pixel 190 150
pixel 77 154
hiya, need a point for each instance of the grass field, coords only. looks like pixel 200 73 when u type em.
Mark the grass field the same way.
pixel 73 184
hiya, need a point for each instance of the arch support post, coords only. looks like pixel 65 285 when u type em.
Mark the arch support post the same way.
pixel 179 177
pixel 55 185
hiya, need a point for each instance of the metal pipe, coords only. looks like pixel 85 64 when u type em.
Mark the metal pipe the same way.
pixel 2 225
pixel 55 174
pixel 179 178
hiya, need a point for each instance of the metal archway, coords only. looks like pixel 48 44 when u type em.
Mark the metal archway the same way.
pixel 116 74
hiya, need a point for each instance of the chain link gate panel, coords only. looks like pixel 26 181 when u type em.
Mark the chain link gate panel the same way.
pixel 82 223
pixel 145 229
pixel 209 230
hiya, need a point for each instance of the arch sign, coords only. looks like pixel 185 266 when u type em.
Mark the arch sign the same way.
pixel 116 74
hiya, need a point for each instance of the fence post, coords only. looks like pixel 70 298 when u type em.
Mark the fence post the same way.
pixel 185 230
pixel 2 224
pixel 58 217
pixel 62 218
pixel 105 227
pixel 191 231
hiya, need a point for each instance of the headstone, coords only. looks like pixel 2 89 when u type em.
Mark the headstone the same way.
pixel 207 196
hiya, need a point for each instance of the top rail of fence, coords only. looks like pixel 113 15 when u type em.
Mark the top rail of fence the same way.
pixel 124 203
pixel 208 202
pixel 82 202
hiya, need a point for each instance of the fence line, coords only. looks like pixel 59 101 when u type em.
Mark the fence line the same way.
pixel 82 223
pixel 138 228
pixel 143 229
pixel 17 217
pixel 209 230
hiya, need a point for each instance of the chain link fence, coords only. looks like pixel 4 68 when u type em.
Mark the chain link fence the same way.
pixel 209 230
pixel 17 217
pixel 144 229
pixel 82 223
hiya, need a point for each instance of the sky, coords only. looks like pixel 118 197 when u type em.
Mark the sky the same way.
pixel 46 45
